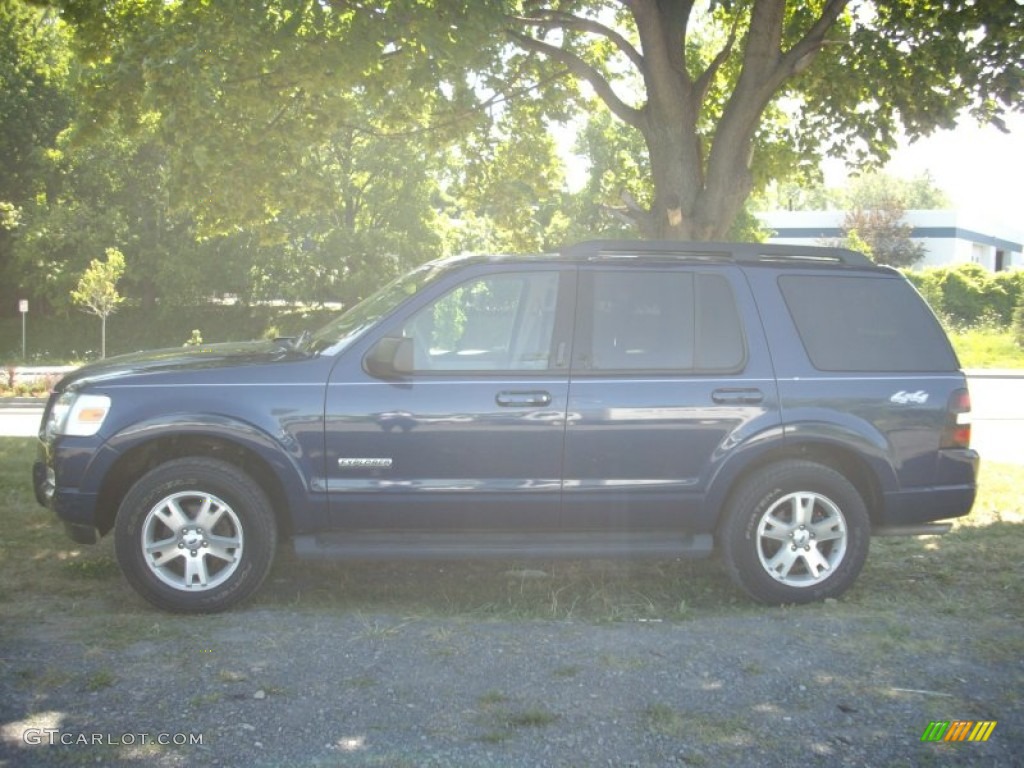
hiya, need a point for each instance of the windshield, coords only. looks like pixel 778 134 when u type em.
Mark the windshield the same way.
pixel 351 324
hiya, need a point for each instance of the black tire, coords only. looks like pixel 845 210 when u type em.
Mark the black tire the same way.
pixel 195 535
pixel 795 532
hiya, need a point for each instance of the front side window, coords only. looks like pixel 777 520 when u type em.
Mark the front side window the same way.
pixel 498 322
pixel 652 320
pixel 354 322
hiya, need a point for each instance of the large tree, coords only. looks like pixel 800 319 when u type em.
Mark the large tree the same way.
pixel 725 94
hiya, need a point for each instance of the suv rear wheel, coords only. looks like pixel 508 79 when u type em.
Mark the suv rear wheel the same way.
pixel 195 535
pixel 795 532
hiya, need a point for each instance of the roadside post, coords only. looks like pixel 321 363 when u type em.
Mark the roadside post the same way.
pixel 23 308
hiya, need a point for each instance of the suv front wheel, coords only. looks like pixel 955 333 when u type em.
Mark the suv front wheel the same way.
pixel 195 535
pixel 795 532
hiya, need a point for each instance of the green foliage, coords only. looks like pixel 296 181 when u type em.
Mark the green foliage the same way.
pixel 97 288
pixel 113 189
pixel 872 189
pixel 1018 324
pixel 295 162
pixel 1012 283
pixel 307 151
pixel 854 241
pixel 61 339
pixel 242 91
pixel 719 103
pixel 868 190
pixel 35 105
pixel 967 295
pixel 619 171
pixel 512 181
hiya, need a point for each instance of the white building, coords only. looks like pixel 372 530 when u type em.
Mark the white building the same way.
pixel 949 237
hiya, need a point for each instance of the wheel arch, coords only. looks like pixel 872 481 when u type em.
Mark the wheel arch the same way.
pixel 141 456
pixel 869 478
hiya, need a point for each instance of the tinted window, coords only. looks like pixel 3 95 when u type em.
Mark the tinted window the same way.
pixel 497 322
pixel 852 323
pixel 658 321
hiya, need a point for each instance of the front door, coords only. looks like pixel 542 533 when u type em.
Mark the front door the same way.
pixel 472 438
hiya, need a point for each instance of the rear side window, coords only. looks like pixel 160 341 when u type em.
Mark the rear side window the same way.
pixel 856 323
pixel 647 320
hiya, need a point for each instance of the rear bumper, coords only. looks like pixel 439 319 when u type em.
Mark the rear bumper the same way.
pixel 925 505
pixel 959 468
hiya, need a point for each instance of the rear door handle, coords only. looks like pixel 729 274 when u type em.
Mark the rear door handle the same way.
pixel 738 396
pixel 523 399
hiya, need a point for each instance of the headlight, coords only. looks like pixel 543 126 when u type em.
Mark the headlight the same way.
pixel 78 415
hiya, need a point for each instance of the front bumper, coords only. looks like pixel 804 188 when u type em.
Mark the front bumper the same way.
pixel 74 509
pixel 43 482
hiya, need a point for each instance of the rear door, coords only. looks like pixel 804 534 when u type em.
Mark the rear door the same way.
pixel 670 373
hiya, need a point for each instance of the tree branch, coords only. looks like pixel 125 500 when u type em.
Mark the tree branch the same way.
pixel 551 19
pixel 799 57
pixel 456 119
pixel 703 82
pixel 579 68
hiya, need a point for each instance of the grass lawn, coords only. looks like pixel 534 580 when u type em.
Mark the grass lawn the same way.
pixel 973 573
pixel 987 348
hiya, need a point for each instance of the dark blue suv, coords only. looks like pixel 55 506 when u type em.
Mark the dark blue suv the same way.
pixel 779 404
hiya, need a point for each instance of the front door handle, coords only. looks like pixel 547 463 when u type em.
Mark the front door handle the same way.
pixel 738 396
pixel 523 399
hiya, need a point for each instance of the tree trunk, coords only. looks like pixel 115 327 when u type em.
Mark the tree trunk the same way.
pixel 701 182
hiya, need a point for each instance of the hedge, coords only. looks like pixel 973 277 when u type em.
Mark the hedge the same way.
pixel 968 295
pixel 75 337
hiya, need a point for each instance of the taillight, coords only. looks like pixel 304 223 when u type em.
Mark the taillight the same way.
pixel 957 433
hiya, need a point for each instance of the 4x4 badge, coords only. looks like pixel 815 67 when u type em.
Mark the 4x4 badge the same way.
pixel 903 397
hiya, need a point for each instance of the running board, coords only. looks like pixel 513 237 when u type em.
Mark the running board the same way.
pixel 924 529
pixel 364 545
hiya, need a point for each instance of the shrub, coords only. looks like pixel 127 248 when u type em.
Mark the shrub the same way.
pixel 1012 281
pixel 968 295
pixel 1018 323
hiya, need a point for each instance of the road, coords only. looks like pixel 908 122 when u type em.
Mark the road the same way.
pixel 997 415
pixel 997 433
pixel 18 419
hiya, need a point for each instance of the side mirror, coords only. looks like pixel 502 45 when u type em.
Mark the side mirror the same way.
pixel 390 358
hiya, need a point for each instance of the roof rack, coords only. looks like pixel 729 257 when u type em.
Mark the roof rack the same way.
pixel 598 250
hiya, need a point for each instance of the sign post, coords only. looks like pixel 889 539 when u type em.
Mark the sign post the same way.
pixel 23 308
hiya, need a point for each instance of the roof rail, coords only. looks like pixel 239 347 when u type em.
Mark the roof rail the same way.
pixel 595 250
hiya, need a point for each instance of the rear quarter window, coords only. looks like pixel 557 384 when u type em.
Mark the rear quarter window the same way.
pixel 866 323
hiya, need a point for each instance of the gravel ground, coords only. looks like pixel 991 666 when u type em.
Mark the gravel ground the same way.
pixel 276 686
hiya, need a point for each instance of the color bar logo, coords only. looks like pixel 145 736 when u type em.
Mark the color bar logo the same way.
pixel 958 730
